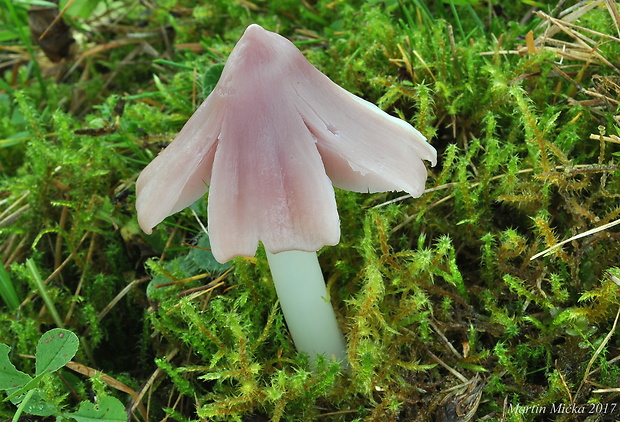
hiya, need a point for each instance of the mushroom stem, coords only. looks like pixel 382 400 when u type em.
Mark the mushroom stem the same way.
pixel 305 303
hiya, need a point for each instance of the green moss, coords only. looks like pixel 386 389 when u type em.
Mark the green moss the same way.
pixel 419 285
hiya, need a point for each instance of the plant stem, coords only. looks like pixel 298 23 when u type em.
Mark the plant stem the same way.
pixel 22 405
pixel 305 303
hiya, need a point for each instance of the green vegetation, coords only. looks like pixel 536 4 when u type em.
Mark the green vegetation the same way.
pixel 449 308
pixel 36 396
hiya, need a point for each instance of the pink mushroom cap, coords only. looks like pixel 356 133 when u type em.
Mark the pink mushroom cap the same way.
pixel 271 141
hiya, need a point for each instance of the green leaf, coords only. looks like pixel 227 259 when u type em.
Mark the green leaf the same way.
pixel 8 35
pixel 40 3
pixel 203 257
pixel 80 9
pixel 173 64
pixel 211 77
pixel 473 367
pixel 36 277
pixel 19 385
pixel 108 409
pixel 7 290
pixel 160 86
pixel 10 377
pixel 56 347
pixel 37 403
pixel 16 394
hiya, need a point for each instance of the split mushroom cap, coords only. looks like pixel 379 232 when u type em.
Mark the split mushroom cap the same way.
pixel 271 141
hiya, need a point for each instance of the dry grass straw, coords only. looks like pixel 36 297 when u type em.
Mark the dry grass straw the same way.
pixel 582 52
pixel 585 41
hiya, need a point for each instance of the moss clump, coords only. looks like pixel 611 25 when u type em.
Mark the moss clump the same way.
pixel 450 304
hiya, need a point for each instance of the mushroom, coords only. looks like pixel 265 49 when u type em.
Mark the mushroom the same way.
pixel 271 141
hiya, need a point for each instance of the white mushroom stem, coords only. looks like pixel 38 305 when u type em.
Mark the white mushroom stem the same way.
pixel 305 303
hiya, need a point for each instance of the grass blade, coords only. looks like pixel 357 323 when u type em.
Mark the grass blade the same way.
pixel 7 290
pixel 32 267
